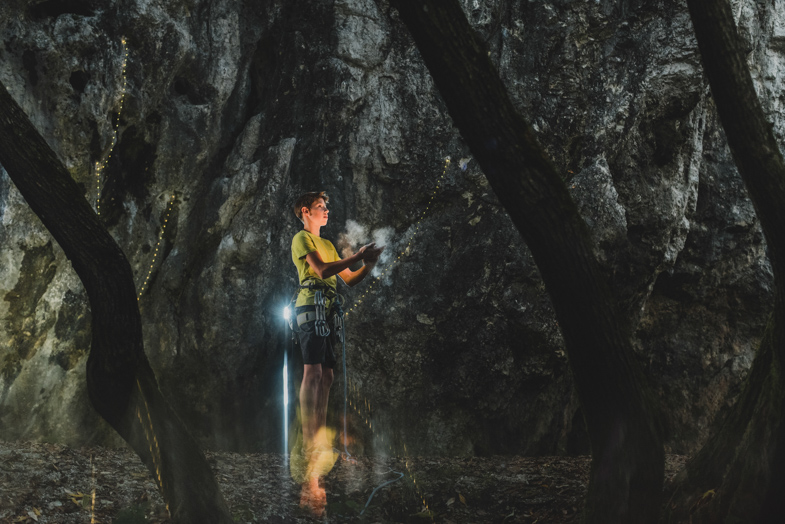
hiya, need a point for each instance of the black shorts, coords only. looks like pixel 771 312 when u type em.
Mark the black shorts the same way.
pixel 316 349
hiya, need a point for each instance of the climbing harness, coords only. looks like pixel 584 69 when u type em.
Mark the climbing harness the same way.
pixel 339 328
pixel 320 314
pixel 338 320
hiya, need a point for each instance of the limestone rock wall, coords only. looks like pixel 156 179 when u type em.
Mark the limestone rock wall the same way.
pixel 233 108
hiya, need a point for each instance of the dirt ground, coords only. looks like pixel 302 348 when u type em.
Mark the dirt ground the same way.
pixel 47 483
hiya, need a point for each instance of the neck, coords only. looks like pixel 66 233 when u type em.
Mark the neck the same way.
pixel 312 229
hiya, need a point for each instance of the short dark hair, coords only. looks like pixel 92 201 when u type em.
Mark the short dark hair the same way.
pixel 307 200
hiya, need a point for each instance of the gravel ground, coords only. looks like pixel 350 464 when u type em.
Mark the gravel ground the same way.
pixel 49 483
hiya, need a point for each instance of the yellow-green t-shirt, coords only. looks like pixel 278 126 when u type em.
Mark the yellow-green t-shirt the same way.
pixel 302 244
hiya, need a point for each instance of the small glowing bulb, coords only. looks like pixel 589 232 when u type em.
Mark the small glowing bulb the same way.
pixel 287 312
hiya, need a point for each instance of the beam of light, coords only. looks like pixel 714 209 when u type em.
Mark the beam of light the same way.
pixel 285 405
pixel 285 389
pixel 287 312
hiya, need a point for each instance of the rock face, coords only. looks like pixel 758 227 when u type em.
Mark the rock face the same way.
pixel 234 108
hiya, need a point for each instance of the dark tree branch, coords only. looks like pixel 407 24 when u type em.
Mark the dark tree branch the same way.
pixel 750 136
pixel 120 381
pixel 626 437
pixel 743 463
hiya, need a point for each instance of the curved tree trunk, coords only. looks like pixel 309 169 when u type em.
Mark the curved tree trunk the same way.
pixel 120 381
pixel 625 434
pixel 739 475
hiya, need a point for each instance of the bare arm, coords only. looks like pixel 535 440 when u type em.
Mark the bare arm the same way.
pixel 325 270
pixel 353 278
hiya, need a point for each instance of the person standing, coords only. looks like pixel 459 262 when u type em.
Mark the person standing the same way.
pixel 318 266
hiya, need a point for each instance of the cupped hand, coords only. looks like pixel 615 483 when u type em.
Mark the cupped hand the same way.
pixel 372 255
pixel 366 250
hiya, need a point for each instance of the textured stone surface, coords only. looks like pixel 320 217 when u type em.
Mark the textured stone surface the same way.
pixel 236 107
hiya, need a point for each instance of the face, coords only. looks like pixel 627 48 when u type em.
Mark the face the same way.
pixel 318 212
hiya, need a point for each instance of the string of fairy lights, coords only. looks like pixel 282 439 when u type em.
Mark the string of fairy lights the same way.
pixel 362 406
pixel 100 168
pixel 146 281
pixel 150 436
pixel 406 250
pixel 92 485
pixel 101 165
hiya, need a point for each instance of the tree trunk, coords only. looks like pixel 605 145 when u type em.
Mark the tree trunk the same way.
pixel 739 475
pixel 120 381
pixel 625 433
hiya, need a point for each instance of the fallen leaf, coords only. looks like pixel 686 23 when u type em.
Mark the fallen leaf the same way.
pixel 76 498
pixel 463 499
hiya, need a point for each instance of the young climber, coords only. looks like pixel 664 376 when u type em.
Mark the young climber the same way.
pixel 317 264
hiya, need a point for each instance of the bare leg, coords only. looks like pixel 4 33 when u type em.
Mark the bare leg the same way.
pixel 324 395
pixel 313 403
pixel 309 401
